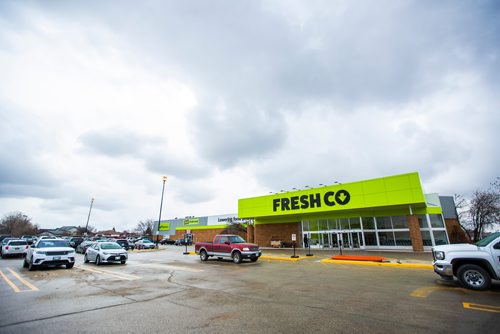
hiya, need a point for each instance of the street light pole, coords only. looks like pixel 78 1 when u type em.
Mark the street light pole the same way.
pixel 164 178
pixel 88 218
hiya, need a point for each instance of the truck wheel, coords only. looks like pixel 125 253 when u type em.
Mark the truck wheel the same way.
pixel 237 257
pixel 474 277
pixel 203 255
pixel 254 258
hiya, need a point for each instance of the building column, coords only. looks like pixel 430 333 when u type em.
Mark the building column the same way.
pixel 415 234
pixel 250 233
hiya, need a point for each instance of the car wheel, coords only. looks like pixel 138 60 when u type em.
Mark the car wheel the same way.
pixel 69 265
pixel 98 260
pixel 31 267
pixel 254 258
pixel 25 263
pixel 203 255
pixel 85 259
pixel 123 262
pixel 474 277
pixel 3 256
pixel 237 257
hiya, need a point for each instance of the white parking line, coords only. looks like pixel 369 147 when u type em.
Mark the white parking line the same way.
pixel 124 276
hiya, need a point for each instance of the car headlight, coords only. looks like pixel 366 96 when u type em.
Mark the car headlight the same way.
pixel 246 249
pixel 40 252
pixel 105 253
pixel 439 255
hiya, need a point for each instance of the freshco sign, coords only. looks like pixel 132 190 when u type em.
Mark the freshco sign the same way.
pixel 330 198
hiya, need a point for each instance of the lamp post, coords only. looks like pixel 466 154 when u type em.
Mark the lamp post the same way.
pixel 88 218
pixel 164 178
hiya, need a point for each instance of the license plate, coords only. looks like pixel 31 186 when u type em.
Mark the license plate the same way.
pixel 117 257
pixel 56 258
pixel 17 248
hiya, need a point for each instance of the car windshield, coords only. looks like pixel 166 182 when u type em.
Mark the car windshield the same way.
pixel 52 243
pixel 110 245
pixel 236 239
pixel 487 240
pixel 146 242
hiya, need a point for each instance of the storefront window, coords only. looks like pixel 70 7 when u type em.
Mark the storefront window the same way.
pixel 323 225
pixel 344 223
pixel 426 238
pixel 399 222
pixel 333 224
pixel 355 224
pixel 305 226
pixel 422 221
pixel 370 239
pixel 436 221
pixel 368 223
pixel 440 238
pixel 384 223
pixel 386 238
pixel 402 238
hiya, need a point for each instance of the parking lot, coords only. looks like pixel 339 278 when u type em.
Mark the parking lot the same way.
pixel 166 291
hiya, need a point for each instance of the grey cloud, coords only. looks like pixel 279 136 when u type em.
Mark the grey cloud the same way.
pixel 116 142
pixel 151 150
pixel 232 134
pixel 22 171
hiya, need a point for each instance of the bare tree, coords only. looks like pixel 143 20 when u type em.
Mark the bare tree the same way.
pixel 17 224
pixel 145 227
pixel 484 210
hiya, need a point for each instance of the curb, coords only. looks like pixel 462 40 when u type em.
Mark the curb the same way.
pixel 381 264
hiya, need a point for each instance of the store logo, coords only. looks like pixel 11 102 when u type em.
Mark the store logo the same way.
pixel 330 198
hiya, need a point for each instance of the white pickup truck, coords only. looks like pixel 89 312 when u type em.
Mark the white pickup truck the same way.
pixel 475 265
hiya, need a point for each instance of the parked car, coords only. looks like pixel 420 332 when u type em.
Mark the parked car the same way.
pixel 105 252
pixel 82 248
pixel 167 241
pixel 125 244
pixel 228 245
pixel 4 243
pixel 29 238
pixel 13 247
pixel 144 244
pixel 75 241
pixel 49 252
pixel 182 242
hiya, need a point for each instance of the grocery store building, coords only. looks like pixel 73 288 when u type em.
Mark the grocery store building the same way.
pixel 389 213
pixel 384 213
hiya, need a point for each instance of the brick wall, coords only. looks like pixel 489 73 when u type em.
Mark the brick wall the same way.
pixel 283 232
pixel 250 233
pixel 415 234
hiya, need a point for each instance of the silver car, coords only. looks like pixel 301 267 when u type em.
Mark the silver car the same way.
pixel 106 252
pixel 17 247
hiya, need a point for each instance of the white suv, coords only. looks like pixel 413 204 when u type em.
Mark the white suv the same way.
pixel 49 252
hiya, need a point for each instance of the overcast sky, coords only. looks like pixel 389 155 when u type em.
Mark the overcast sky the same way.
pixel 233 99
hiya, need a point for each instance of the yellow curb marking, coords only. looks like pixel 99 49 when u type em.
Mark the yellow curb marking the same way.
pixel 479 307
pixel 105 272
pixel 381 264
pixel 29 285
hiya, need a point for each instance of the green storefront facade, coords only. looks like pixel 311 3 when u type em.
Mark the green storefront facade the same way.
pixel 383 213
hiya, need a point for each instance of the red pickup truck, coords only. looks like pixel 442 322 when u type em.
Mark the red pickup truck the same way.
pixel 228 245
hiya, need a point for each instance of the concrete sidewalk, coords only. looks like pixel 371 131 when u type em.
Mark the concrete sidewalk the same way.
pixel 421 260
